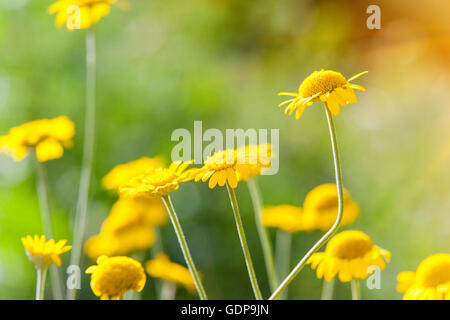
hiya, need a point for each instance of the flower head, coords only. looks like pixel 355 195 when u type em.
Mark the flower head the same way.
pixel 285 217
pixel 162 267
pixel 43 253
pixel 79 14
pixel 328 86
pixel 258 157
pixel 321 208
pixel 114 276
pixel 350 255
pixel 49 137
pixel 156 182
pixel 431 280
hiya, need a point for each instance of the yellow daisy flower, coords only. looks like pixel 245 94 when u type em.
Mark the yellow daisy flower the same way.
pixel 114 276
pixel 43 253
pixel 349 254
pixel 157 182
pixel 321 208
pixel 285 217
pixel 48 137
pixel 79 13
pixel 328 86
pixel 258 157
pixel 431 281
pixel 123 173
pixel 162 267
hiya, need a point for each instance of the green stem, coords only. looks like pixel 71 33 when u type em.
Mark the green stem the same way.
pixel 356 292
pixel 327 290
pixel 88 153
pixel 246 251
pixel 42 190
pixel 40 283
pixel 255 194
pixel 184 247
pixel 157 248
pixel 168 291
pixel 334 228
pixel 283 256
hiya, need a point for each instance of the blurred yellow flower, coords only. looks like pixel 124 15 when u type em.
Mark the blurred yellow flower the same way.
pixel 328 86
pixel 285 217
pixel 123 173
pixel 114 276
pixel 350 255
pixel 258 157
pixel 43 253
pixel 49 137
pixel 321 206
pixel 431 281
pixel 79 14
pixel 162 267
pixel 157 182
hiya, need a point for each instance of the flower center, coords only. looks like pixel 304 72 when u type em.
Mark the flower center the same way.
pixel 321 81
pixel 221 160
pixel 434 270
pixel 160 177
pixel 349 245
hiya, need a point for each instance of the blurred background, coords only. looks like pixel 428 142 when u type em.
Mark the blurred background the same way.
pixel 163 64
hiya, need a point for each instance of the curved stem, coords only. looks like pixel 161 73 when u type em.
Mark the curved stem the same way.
pixel 283 256
pixel 244 245
pixel 327 290
pixel 356 293
pixel 88 153
pixel 184 247
pixel 255 194
pixel 42 190
pixel 40 283
pixel 333 229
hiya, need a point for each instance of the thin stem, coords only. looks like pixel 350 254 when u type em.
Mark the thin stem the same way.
pixel 356 292
pixel 184 247
pixel 168 291
pixel 88 153
pixel 244 245
pixel 333 229
pixel 283 256
pixel 42 190
pixel 40 283
pixel 327 290
pixel 157 248
pixel 255 194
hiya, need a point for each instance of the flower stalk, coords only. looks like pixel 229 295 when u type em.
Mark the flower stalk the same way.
pixel 334 228
pixel 356 292
pixel 283 256
pixel 327 290
pixel 40 283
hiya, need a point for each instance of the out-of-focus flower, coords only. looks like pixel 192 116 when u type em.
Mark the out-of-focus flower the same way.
pixel 162 267
pixel 123 173
pixel 350 255
pixel 79 14
pixel 258 157
pixel 114 276
pixel 328 86
pixel 43 253
pixel 321 206
pixel 285 217
pixel 48 137
pixel 431 280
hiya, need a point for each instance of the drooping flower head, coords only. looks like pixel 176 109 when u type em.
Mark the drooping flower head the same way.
pixel 431 280
pixel 285 217
pixel 321 208
pixel 48 137
pixel 114 276
pixel 349 255
pixel 43 253
pixel 328 86
pixel 258 158
pixel 162 267
pixel 79 14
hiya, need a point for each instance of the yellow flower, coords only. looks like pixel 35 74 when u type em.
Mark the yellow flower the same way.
pixel 122 173
pixel 328 86
pixel 162 267
pixel 43 253
pixel 258 157
pixel 431 281
pixel 114 276
pixel 157 182
pixel 79 13
pixel 321 208
pixel 47 136
pixel 285 217
pixel 350 255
